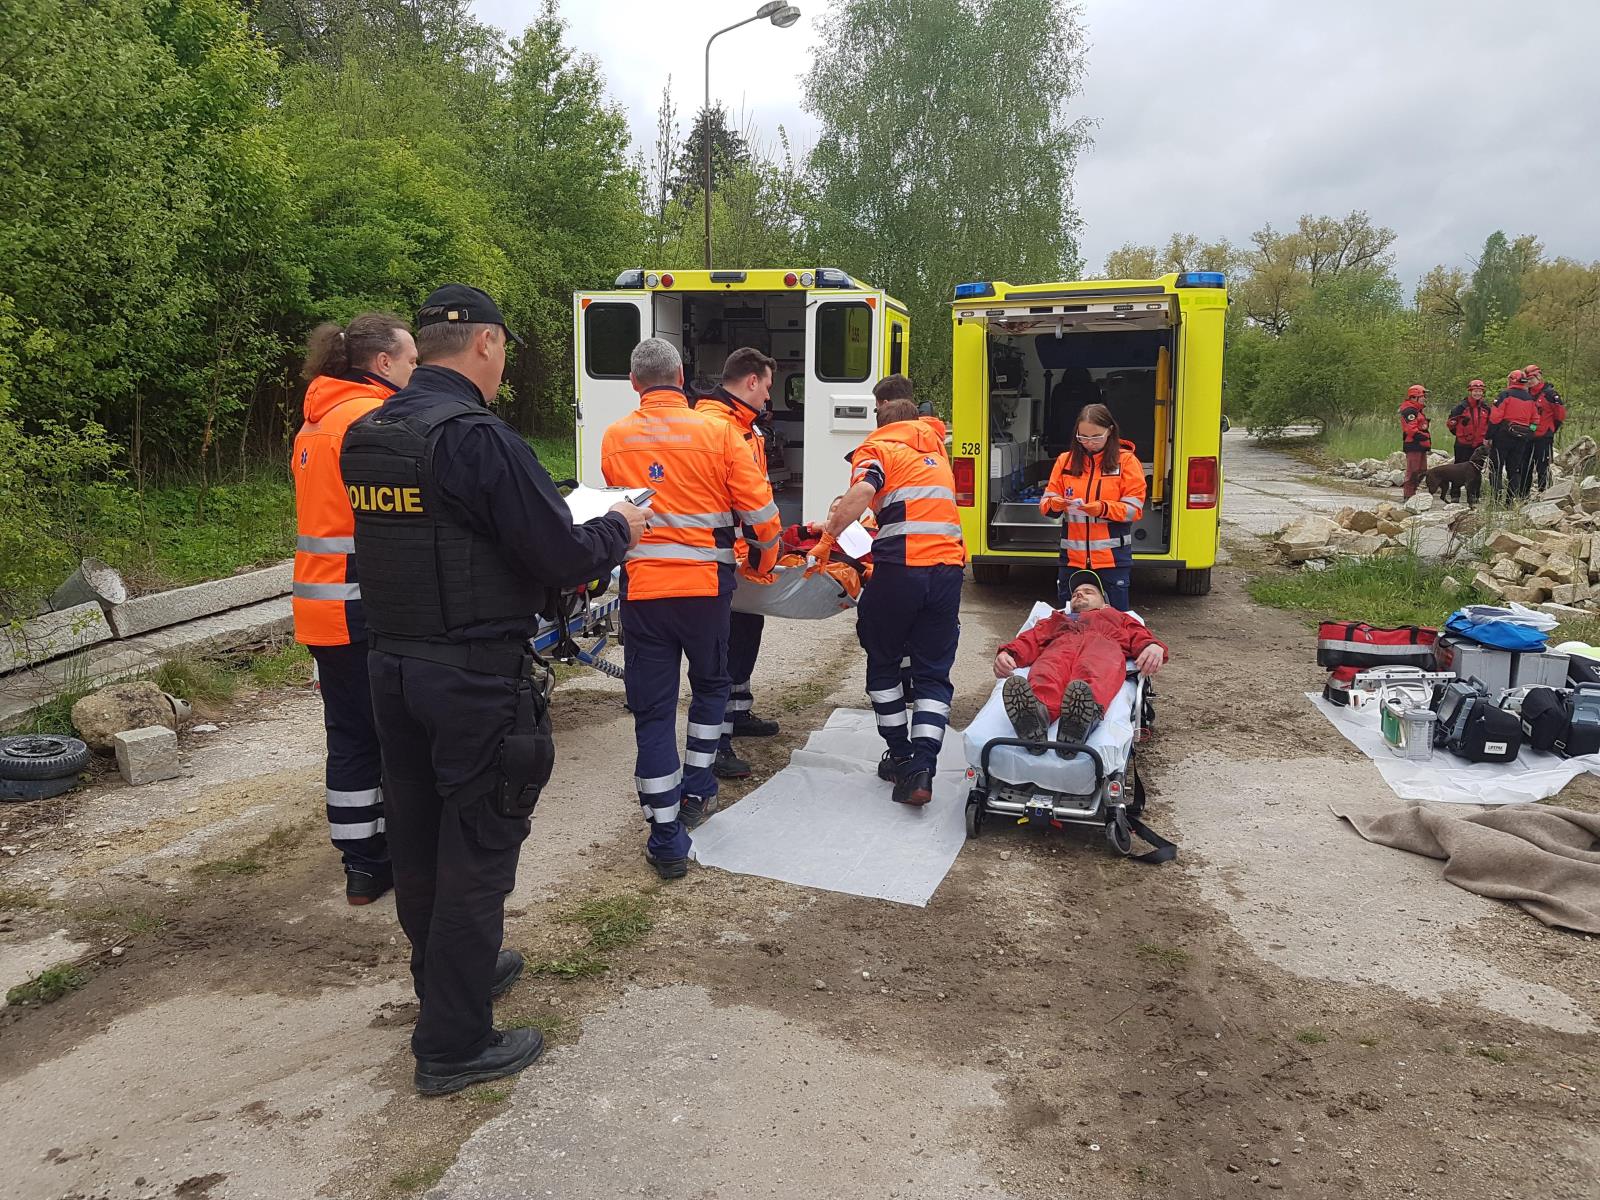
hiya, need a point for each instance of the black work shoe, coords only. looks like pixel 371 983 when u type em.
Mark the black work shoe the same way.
pixel 668 868
pixel 914 788
pixel 507 970
pixel 1079 712
pixel 890 767
pixel 750 725
pixel 695 809
pixel 730 766
pixel 365 886
pixel 508 1052
pixel 1026 712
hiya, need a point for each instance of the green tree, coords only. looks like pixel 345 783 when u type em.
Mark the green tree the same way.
pixel 1495 293
pixel 730 150
pixel 946 150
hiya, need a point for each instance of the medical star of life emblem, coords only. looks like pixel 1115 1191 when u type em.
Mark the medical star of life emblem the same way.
pixel 928 462
pixel 304 455
pixel 657 472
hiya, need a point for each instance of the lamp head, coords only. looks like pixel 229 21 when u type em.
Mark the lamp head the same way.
pixel 785 16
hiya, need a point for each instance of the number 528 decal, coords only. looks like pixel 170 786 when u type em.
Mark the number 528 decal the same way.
pixel 972 448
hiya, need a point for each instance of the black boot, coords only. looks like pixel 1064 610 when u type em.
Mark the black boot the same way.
pixel 890 767
pixel 914 788
pixel 1027 712
pixel 1079 712
pixel 507 970
pixel 695 809
pixel 668 868
pixel 729 765
pixel 747 724
pixel 508 1052
pixel 363 886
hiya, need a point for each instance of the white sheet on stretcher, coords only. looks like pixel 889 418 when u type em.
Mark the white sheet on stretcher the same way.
pixel 793 596
pixel 1111 739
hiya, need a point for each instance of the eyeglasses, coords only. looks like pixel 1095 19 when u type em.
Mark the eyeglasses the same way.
pixel 1086 438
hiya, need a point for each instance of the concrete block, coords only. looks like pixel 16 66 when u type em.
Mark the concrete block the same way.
pixel 1508 543
pixel 162 609
pixel 1544 515
pixel 146 755
pixel 52 635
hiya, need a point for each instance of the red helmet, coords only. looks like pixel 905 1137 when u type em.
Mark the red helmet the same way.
pixel 1532 369
pixel 1476 383
pixel 1415 390
pixel 1516 377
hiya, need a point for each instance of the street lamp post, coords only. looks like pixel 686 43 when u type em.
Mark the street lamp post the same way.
pixel 780 14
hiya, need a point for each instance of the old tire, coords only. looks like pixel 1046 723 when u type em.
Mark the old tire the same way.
pixel 990 574
pixel 1194 582
pixel 19 790
pixel 41 756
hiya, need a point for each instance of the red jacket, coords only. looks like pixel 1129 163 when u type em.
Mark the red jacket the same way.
pixel 1469 421
pixel 1551 411
pixel 1130 635
pixel 1414 433
pixel 1514 406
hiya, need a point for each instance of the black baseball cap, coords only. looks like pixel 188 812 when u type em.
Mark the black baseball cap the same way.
pixel 458 302
pixel 1078 578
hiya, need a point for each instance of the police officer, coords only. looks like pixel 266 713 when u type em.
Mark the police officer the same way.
pixel 460 537
pixel 351 370
pixel 740 401
pixel 676 588
pixel 912 603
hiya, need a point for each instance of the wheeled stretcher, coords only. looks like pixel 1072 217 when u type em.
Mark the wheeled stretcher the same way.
pixel 1097 784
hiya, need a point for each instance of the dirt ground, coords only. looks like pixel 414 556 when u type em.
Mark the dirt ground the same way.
pixel 1285 1009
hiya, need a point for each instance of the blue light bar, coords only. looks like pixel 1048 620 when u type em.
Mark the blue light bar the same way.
pixel 1202 279
pixel 966 291
pixel 832 277
pixel 631 279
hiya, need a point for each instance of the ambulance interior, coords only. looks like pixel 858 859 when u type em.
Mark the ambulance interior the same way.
pixel 1042 371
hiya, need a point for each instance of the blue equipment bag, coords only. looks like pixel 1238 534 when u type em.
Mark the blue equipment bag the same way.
pixel 1502 635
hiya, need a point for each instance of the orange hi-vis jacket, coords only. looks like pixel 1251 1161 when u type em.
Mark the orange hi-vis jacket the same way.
pixel 1098 535
pixel 918 523
pixel 326 598
pixel 706 485
pixel 720 406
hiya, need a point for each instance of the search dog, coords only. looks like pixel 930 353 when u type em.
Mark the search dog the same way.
pixel 1452 477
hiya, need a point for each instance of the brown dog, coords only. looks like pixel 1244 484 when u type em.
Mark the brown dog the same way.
pixel 1452 477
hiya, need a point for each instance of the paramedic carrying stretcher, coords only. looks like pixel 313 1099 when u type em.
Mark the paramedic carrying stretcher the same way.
pixel 912 604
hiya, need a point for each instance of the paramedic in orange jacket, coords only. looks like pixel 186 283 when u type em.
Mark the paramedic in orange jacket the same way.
pixel 740 402
pixel 1098 489
pixel 676 587
pixel 912 604
pixel 352 369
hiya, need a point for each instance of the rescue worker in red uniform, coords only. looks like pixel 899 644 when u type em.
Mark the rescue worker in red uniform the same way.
pixel 740 402
pixel 911 607
pixel 1076 660
pixel 1552 414
pixel 1469 421
pixel 676 587
pixel 351 369
pixel 1513 426
pixel 1098 489
pixel 1415 439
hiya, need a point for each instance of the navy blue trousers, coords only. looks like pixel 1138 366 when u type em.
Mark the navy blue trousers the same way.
pixel 1115 579
pixel 911 612
pixel 744 645
pixel 354 775
pixel 455 855
pixel 658 635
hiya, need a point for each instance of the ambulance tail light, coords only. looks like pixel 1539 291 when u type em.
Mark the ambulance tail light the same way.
pixel 666 279
pixel 965 471
pixel 1202 483
pixel 790 279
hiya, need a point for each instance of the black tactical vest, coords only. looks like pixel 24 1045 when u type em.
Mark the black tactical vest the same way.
pixel 423 576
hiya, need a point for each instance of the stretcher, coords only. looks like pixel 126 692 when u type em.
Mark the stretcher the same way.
pixel 585 612
pixel 1094 783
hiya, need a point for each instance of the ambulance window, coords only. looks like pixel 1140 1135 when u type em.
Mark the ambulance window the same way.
pixel 844 342
pixel 897 347
pixel 610 332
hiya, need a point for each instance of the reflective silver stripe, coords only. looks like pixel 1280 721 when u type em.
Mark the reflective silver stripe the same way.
pixel 364 799
pixel 1096 544
pixel 320 545
pixel 895 495
pixel 740 688
pixel 924 730
pixel 765 513
pixel 700 758
pixel 328 591
pixel 1049 495
pixel 361 829
pixel 1134 503
pixel 738 704
pixel 663 815
pixel 727 728
pixel 932 706
pixel 898 718
pixel 901 528
pixel 704 732
pixel 887 695
pixel 661 783
pixel 686 553
pixel 765 545
pixel 1078 518
pixel 719 520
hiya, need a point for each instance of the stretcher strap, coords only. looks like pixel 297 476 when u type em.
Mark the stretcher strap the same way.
pixel 1164 851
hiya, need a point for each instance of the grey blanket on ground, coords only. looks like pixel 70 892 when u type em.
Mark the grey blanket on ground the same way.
pixel 1543 858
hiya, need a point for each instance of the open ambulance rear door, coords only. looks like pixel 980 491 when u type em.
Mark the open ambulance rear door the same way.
pixel 608 326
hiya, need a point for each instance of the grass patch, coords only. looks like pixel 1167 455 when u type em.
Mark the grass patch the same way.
pixel 1402 590
pixel 1310 1037
pixel 1167 956
pixel 420 1179
pixel 1493 1053
pixel 1368 1042
pixel 253 860
pixel 17 898
pixel 614 922
pixel 193 679
pixel 48 985
pixel 580 965
pixel 287 666
pixel 559 454
pixel 126 918
pixel 489 1095
pixel 54 715
pixel 552 1025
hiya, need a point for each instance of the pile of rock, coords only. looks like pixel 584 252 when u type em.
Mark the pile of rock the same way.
pixel 1422 526
pixel 1576 461
pixel 1560 565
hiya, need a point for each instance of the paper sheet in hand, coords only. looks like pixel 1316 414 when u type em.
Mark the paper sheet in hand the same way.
pixel 586 503
pixel 826 820
pixel 855 540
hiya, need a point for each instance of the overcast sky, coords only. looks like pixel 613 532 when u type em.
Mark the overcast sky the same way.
pixel 1444 119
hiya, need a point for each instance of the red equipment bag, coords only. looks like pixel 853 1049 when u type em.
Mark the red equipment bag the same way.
pixel 1357 644
pixel 1341 680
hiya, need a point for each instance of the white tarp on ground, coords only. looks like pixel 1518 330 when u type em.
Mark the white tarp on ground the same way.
pixel 826 820
pixel 1447 779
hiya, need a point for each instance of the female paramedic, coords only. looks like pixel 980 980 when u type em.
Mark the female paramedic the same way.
pixel 1098 489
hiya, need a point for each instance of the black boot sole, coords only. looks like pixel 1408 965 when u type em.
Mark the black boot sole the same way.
pixel 1079 712
pixel 740 772
pixel 1027 715
pixel 442 1085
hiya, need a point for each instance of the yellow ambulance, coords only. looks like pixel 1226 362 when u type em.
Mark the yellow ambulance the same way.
pixel 1026 359
pixel 833 337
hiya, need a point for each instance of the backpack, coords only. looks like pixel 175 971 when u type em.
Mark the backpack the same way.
pixel 1545 719
pixel 1469 725
pixel 1358 644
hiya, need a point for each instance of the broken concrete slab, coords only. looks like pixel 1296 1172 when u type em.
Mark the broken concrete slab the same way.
pixel 162 609
pixel 1544 515
pixel 146 755
pixel 1505 542
pixel 52 635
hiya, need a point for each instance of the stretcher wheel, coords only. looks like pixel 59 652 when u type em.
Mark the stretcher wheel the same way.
pixel 974 814
pixel 1118 833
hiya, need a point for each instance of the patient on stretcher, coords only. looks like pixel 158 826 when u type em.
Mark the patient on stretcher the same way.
pixel 1077 663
